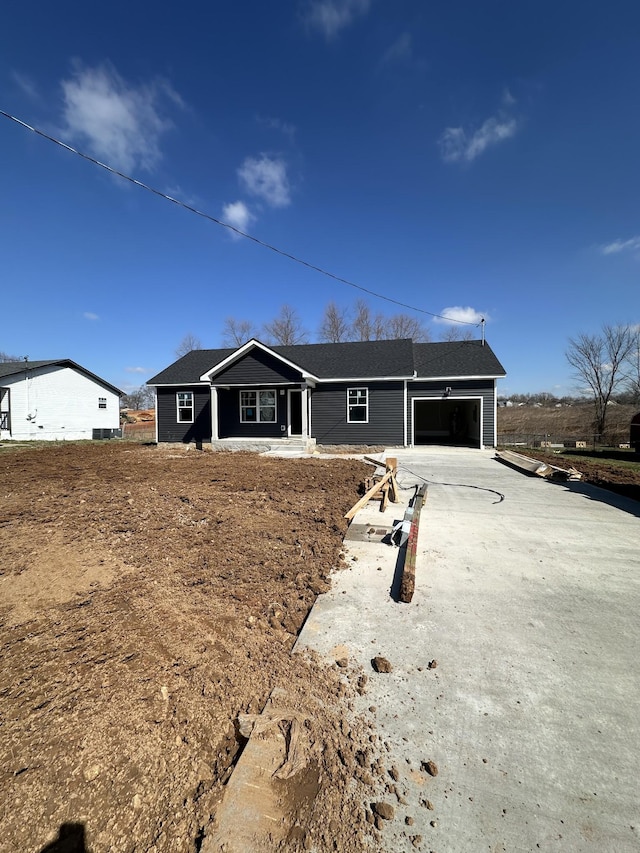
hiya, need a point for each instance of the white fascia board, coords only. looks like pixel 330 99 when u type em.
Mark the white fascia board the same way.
pixel 256 385
pixel 176 384
pixel 326 379
pixel 253 344
pixel 449 378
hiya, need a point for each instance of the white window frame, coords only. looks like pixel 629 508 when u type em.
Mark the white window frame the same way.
pixel 352 405
pixel 258 406
pixel 185 406
pixel 102 402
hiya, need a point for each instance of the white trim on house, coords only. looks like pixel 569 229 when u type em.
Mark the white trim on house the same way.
pixel 185 406
pixel 215 433
pixel 258 406
pixel 456 378
pixel 454 399
pixel 405 412
pixel 178 384
pixel 358 390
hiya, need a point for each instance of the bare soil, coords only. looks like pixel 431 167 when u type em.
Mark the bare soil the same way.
pixel 149 596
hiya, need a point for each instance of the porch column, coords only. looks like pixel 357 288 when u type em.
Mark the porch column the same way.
pixel 304 405
pixel 214 413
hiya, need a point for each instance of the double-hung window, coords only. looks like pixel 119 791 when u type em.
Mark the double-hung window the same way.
pixel 184 400
pixel 257 407
pixel 357 405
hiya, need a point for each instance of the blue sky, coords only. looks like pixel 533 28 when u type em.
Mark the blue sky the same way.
pixel 467 158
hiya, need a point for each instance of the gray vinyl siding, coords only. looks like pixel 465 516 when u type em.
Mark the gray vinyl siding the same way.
pixel 169 429
pixel 257 368
pixel 329 414
pixel 483 388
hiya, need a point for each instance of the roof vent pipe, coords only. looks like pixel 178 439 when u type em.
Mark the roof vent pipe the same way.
pixel 482 321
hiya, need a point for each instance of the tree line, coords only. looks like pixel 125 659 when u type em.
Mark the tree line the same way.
pixel 338 325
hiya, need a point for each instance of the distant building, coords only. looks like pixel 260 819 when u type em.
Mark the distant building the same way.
pixel 56 400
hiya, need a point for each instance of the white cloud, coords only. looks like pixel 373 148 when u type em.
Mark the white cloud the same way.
pixel 89 315
pixel 122 125
pixel 136 369
pixel 631 245
pixel 457 145
pixel 329 17
pixel 458 314
pixel 237 214
pixel 266 178
pixel 400 51
pixel 507 98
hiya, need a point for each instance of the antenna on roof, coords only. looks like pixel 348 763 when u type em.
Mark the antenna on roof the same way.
pixel 482 322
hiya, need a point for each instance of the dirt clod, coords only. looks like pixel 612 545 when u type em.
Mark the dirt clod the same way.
pixel 431 767
pixel 384 810
pixel 381 664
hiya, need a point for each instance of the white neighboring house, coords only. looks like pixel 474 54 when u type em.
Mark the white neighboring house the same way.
pixel 56 401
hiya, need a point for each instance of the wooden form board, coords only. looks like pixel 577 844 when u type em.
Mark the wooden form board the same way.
pixel 408 580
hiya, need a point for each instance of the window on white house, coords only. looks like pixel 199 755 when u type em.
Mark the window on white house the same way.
pixel 185 407
pixel 257 407
pixel 102 402
pixel 357 405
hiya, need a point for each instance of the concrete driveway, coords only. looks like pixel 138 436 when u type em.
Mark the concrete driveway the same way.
pixel 529 605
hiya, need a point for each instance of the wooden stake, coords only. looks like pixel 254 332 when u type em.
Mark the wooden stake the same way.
pixel 364 500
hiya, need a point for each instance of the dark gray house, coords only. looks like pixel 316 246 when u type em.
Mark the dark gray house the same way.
pixel 396 393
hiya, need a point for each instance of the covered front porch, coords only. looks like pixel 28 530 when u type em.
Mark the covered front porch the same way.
pixel 259 413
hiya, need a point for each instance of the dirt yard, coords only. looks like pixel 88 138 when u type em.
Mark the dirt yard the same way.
pixel 147 597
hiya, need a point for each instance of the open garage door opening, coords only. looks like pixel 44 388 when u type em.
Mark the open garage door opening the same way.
pixel 451 421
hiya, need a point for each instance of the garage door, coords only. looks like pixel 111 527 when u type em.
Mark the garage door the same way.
pixel 450 421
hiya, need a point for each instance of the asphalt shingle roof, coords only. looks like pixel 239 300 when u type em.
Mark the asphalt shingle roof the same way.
pixel 456 358
pixel 361 359
pixel 11 368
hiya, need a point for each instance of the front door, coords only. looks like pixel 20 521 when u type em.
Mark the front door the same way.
pixel 295 412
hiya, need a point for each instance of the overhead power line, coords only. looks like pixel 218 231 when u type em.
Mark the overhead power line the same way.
pixel 235 230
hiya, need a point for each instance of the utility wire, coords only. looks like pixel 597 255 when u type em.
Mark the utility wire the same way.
pixel 235 230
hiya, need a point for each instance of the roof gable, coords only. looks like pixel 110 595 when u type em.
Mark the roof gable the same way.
pixel 264 351
pixel 13 368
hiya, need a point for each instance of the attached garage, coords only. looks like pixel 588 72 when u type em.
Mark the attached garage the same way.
pixel 454 421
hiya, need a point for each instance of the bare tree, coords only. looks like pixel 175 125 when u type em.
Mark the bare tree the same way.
pixel 598 361
pixel 365 326
pixel 405 326
pixel 237 332
pixel 5 358
pixel 188 344
pixel 632 367
pixel 335 327
pixel 286 329
pixel 456 333
pixel 140 398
